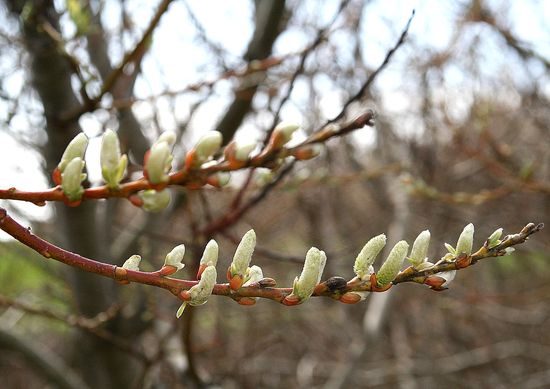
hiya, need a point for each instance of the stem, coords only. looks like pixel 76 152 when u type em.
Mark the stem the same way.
pixel 334 287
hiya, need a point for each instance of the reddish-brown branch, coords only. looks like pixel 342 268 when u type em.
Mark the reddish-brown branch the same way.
pixel 334 287
pixel 196 177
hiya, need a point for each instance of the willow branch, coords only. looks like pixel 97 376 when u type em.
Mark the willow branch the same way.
pixel 195 177
pixel 334 287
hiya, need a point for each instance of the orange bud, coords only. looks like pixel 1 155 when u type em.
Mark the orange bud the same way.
pixel 167 270
pixel 246 301
pixel 350 298
pixel 56 176
pixel 291 300
pixel 236 282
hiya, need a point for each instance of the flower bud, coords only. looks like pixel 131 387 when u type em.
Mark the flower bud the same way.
pixel 391 267
pixel 159 163
pixel 154 201
pixel 75 149
pixel 219 179
pixel 207 146
pixel 209 257
pixel 363 263
pixel 200 293
pixel 353 297
pixel 241 260
pixel 494 238
pixel 283 132
pixel 169 137
pixel 71 179
pixel 419 250
pixel 311 274
pixel 308 152
pixel 132 263
pixel 253 274
pixel 113 165
pixel 174 257
pixel 243 150
pixel 210 254
pixel 465 240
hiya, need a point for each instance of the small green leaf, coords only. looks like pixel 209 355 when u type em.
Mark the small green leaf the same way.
pixel 181 309
pixel 450 248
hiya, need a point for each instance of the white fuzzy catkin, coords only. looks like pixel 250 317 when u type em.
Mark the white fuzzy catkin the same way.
pixel 465 240
pixel 366 257
pixel 391 267
pixel 419 249
pixel 174 257
pixel 311 273
pixel 243 254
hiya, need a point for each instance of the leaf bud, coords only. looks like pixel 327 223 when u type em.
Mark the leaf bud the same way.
pixel 494 238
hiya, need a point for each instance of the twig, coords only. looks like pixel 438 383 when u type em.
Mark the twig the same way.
pixel 320 38
pixel 235 215
pixel 195 177
pixel 374 74
pixel 71 320
pixel 129 57
pixel 334 287
pixel 89 325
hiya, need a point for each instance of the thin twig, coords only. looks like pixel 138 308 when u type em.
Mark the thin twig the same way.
pixel 319 38
pixel 129 57
pixel 374 74
pixel 90 325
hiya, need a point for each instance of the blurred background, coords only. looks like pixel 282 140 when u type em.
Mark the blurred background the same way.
pixel 462 135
